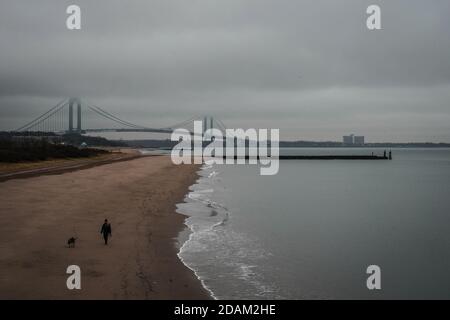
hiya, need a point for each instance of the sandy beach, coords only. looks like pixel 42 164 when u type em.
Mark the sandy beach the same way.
pixel 39 214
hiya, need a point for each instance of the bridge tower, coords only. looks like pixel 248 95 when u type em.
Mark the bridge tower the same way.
pixel 208 123
pixel 73 101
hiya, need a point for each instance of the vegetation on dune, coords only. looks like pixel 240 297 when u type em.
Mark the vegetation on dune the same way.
pixel 77 139
pixel 19 150
pixel 68 138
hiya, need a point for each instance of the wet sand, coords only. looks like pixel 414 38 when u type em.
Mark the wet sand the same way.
pixel 39 214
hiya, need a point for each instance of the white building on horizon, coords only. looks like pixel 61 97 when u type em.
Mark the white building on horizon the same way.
pixel 353 140
pixel 347 140
pixel 358 140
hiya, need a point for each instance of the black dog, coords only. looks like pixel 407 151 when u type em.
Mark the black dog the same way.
pixel 71 242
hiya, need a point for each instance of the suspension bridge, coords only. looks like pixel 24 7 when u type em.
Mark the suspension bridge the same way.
pixel 72 115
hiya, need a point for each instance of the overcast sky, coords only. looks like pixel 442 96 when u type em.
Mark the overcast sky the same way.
pixel 310 68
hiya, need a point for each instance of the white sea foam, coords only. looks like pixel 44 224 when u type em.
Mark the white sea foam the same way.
pixel 196 195
pixel 219 256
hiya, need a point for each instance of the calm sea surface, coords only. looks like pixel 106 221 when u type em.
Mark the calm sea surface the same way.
pixel 312 230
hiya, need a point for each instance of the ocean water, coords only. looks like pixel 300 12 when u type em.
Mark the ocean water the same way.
pixel 311 231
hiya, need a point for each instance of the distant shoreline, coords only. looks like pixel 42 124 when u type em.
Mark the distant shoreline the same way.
pixel 168 144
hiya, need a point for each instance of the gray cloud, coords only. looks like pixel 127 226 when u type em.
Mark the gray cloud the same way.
pixel 310 68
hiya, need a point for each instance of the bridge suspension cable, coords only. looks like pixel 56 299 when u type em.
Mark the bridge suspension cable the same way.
pixel 180 124
pixel 111 117
pixel 60 118
pixel 221 125
pixel 43 116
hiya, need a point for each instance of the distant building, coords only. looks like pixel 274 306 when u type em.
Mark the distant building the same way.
pixel 358 140
pixel 348 140
pixel 353 140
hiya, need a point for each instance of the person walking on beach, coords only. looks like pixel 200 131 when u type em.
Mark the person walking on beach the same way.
pixel 106 231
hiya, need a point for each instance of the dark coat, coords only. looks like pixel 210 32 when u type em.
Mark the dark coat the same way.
pixel 106 229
